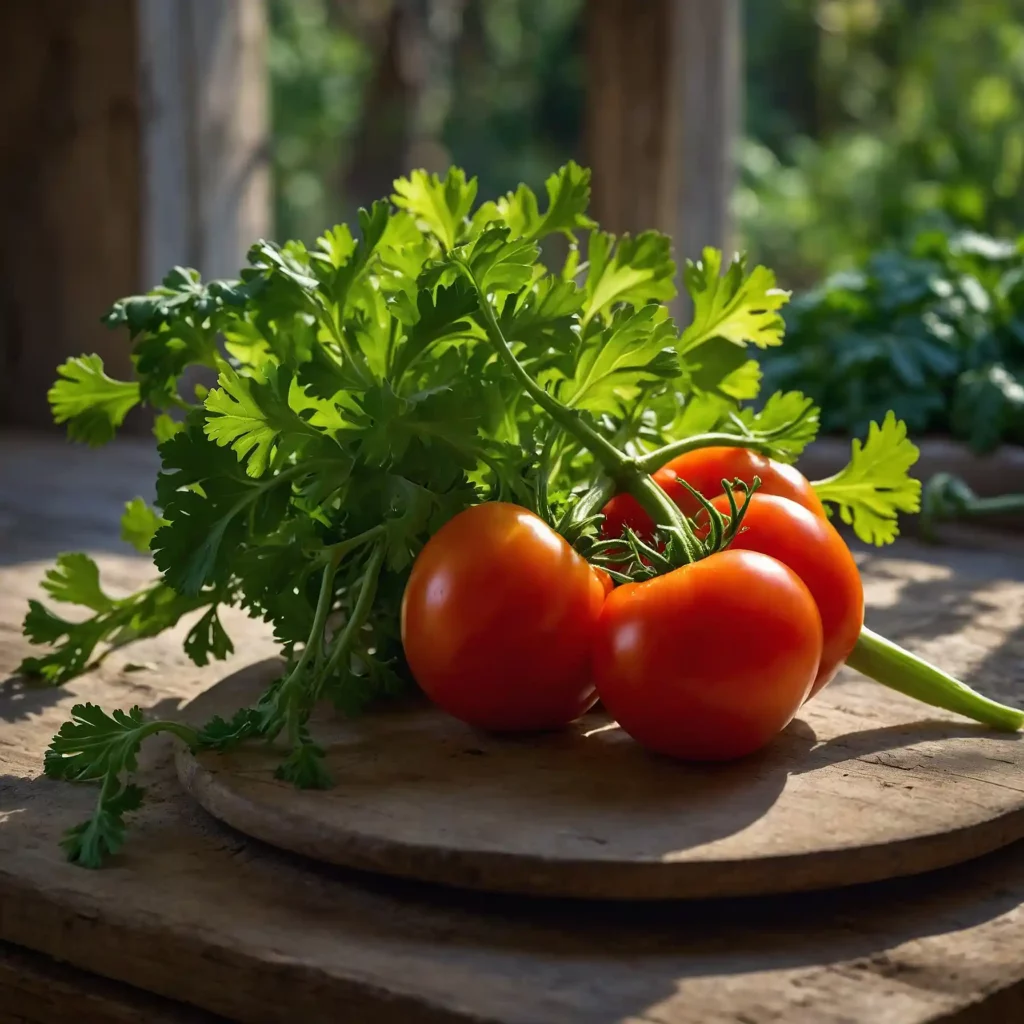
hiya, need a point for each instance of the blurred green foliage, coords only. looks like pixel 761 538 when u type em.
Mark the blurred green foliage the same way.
pixel 869 119
pixel 318 71
pixel 933 330
pixel 866 119
pixel 501 95
pixel 517 104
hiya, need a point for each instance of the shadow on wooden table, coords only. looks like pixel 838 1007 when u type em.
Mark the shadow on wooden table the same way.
pixel 619 959
pixel 22 698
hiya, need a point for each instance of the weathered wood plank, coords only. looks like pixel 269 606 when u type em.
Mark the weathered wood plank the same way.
pixel 37 990
pixel 193 912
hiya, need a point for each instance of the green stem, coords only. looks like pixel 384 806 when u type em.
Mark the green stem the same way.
pixel 338 336
pixel 185 733
pixel 360 613
pixel 656 459
pixel 338 551
pixel 293 708
pixel 891 665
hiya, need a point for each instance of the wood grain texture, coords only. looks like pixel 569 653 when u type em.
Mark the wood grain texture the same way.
pixel 627 50
pixel 69 178
pixel 195 912
pixel 662 119
pixel 37 990
pixel 205 147
pixel 703 124
pixel 589 814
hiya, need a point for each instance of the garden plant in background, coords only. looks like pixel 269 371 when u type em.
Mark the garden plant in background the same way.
pixel 868 119
pixel 380 393
pixel 933 331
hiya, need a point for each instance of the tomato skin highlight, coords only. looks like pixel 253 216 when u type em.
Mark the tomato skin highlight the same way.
pixel 814 550
pixel 704 469
pixel 711 661
pixel 498 619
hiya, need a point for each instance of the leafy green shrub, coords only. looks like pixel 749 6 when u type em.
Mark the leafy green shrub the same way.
pixel 934 331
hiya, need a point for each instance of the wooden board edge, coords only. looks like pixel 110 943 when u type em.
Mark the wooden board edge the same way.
pixel 516 874
pixel 35 989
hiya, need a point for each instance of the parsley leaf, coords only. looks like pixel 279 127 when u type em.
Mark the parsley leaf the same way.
pixel 741 308
pixel 876 485
pixel 207 637
pixel 304 766
pixel 789 418
pixel 633 270
pixel 500 262
pixel 146 613
pixel 612 362
pixel 252 414
pixel 206 525
pixel 92 404
pixel 98 838
pixel 568 192
pixel 543 315
pixel 440 207
pixel 96 746
pixel 139 523
pixel 76 580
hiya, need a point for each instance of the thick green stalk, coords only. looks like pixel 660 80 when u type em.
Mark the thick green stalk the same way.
pixel 891 665
pixel 335 552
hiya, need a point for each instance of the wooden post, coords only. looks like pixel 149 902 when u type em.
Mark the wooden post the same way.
pixel 703 124
pixel 627 89
pixel 205 122
pixel 69 197
pixel 663 106
pixel 133 136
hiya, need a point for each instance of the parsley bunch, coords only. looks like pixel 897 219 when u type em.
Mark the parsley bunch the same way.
pixel 369 388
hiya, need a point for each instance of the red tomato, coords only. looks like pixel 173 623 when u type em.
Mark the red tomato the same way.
pixel 498 618
pixel 711 661
pixel 812 548
pixel 704 470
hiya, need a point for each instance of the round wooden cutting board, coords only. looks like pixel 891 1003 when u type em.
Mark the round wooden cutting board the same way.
pixel 865 785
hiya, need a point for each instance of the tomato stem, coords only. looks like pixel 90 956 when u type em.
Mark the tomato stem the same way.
pixel 655 460
pixel 758 441
pixel 889 664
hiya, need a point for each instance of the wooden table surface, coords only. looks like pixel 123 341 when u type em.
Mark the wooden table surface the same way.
pixel 193 921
